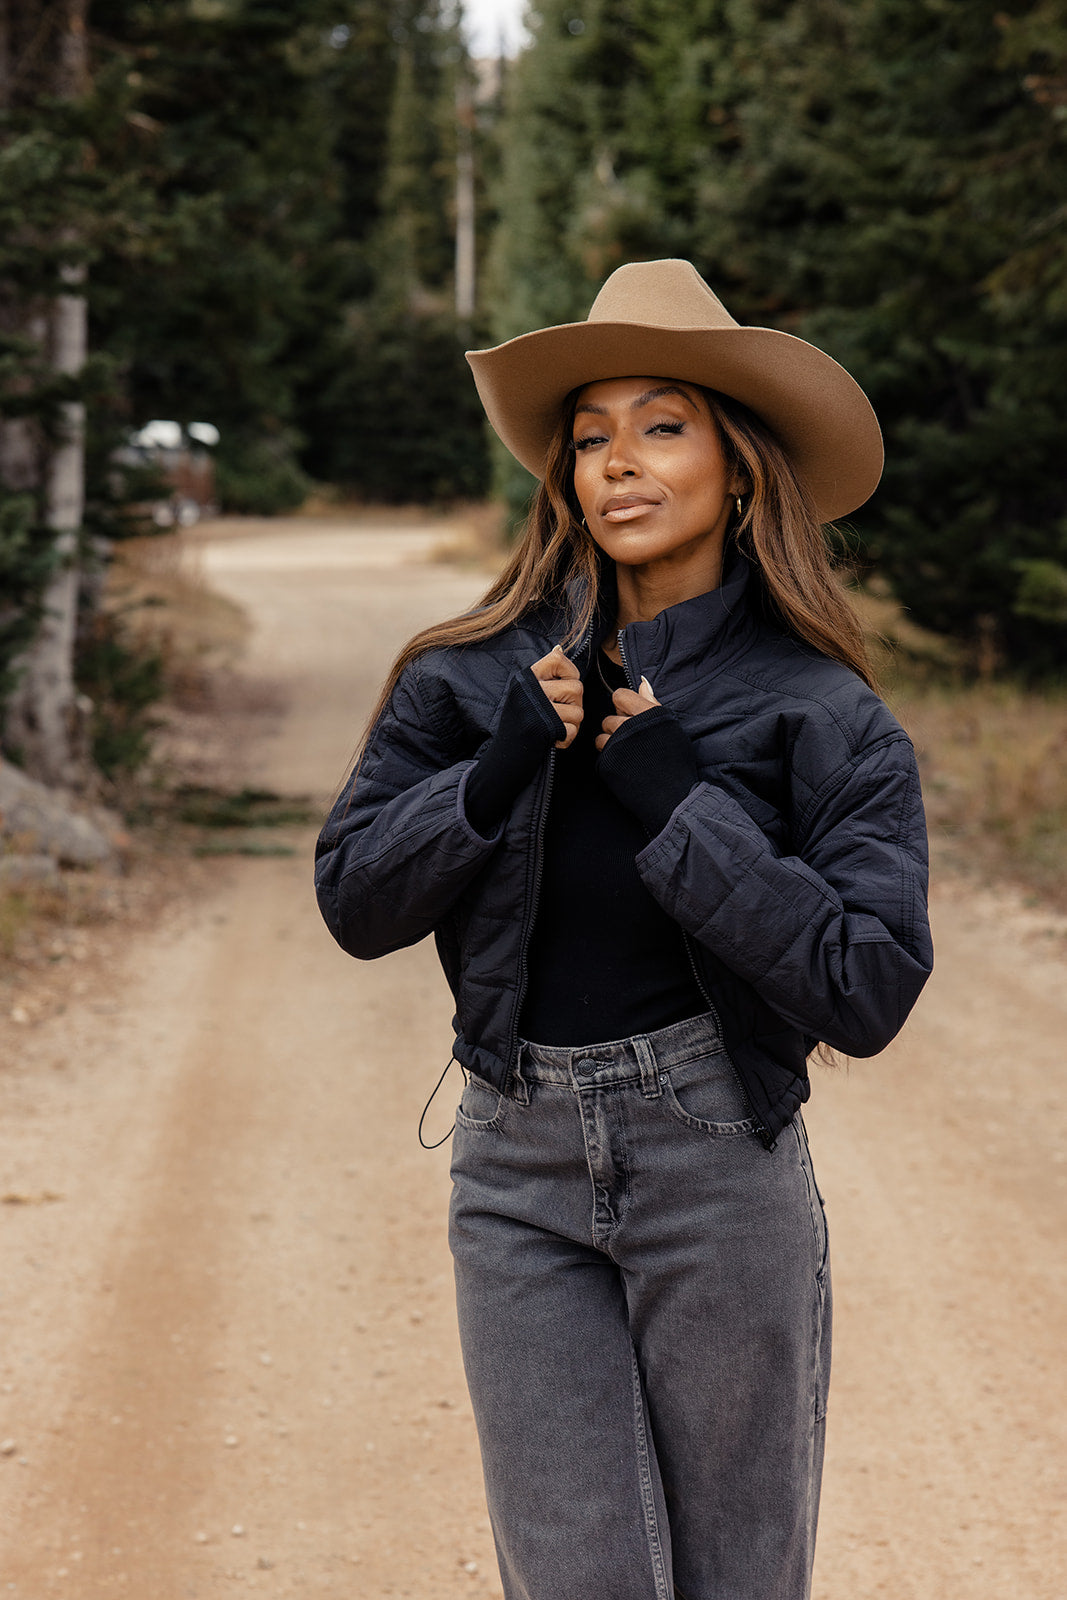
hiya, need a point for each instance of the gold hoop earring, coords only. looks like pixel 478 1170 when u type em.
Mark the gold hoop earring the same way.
pixel 738 503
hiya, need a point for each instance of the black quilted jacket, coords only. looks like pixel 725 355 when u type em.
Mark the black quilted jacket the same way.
pixel 797 868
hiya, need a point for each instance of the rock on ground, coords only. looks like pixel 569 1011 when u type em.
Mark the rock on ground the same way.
pixel 39 822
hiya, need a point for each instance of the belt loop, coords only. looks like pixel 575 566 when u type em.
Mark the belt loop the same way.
pixel 646 1060
pixel 515 1085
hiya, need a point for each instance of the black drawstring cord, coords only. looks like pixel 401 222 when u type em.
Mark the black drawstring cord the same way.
pixel 430 1102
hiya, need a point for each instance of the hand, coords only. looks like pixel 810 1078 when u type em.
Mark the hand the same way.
pixel 559 678
pixel 627 704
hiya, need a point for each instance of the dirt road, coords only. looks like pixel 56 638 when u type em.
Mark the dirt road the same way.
pixel 227 1354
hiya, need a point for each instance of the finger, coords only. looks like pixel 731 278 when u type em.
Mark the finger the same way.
pixel 570 716
pixel 554 665
pixel 610 725
pixel 631 704
pixel 564 690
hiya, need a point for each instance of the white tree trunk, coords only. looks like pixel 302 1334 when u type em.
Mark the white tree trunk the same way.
pixel 465 239
pixel 42 723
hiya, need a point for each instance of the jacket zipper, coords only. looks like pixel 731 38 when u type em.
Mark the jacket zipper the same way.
pixel 539 839
pixel 527 932
pixel 764 1133
pixel 625 663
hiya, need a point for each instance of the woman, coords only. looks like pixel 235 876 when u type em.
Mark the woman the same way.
pixel 668 840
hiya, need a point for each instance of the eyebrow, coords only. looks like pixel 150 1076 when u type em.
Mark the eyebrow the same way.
pixel 642 400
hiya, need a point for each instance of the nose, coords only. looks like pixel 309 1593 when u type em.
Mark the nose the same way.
pixel 621 460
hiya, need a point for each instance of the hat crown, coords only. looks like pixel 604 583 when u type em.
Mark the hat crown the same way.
pixel 660 294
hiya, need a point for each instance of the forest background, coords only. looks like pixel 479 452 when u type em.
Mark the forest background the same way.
pixel 248 212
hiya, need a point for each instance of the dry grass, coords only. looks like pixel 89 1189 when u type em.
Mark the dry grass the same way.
pixel 59 941
pixel 993 756
pixel 155 587
pixel 472 536
pixel 994 764
pixel 42 922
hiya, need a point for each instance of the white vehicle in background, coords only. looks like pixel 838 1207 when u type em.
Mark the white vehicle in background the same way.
pixel 183 456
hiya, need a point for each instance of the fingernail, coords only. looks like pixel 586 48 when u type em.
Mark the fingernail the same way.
pixel 646 686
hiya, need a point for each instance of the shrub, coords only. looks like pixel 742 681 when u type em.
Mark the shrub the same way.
pixel 124 679
pixel 260 477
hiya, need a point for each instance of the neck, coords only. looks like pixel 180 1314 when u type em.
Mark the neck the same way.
pixel 643 592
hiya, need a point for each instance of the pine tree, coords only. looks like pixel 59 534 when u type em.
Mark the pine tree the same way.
pixel 896 194
pixel 392 412
pixel 233 137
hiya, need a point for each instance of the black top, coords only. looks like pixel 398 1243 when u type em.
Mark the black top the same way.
pixel 604 961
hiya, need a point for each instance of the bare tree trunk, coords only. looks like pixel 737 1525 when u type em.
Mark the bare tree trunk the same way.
pixel 465 240
pixel 42 720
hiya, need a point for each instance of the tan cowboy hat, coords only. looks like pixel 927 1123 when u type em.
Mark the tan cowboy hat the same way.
pixel 659 319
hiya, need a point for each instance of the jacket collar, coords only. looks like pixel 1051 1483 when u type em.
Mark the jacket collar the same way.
pixel 688 641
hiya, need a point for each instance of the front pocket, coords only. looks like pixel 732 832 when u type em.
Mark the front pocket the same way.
pixel 705 1094
pixel 480 1105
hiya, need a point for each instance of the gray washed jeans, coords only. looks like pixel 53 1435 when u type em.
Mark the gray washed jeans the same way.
pixel 644 1309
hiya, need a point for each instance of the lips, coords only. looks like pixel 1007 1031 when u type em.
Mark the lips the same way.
pixel 623 507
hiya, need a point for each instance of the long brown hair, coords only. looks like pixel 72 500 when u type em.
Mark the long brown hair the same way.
pixel 556 560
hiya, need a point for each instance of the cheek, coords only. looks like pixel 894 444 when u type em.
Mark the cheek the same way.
pixel 582 482
pixel 703 485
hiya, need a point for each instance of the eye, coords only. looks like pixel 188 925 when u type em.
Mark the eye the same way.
pixel 667 427
pixel 587 440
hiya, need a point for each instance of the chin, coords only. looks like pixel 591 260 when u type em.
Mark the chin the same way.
pixel 636 546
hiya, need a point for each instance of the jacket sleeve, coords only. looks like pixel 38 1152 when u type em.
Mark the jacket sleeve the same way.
pixel 834 938
pixel 397 849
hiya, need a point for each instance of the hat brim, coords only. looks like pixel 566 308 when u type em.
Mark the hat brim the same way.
pixel 819 414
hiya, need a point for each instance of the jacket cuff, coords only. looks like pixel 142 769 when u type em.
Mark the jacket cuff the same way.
pixel 494 831
pixel 527 728
pixel 649 764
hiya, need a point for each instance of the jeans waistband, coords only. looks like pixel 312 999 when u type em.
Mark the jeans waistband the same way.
pixel 616 1061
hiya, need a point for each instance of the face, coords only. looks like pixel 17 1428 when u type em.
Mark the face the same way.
pixel 650 475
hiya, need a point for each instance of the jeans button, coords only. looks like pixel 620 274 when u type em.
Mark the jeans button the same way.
pixel 585 1066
